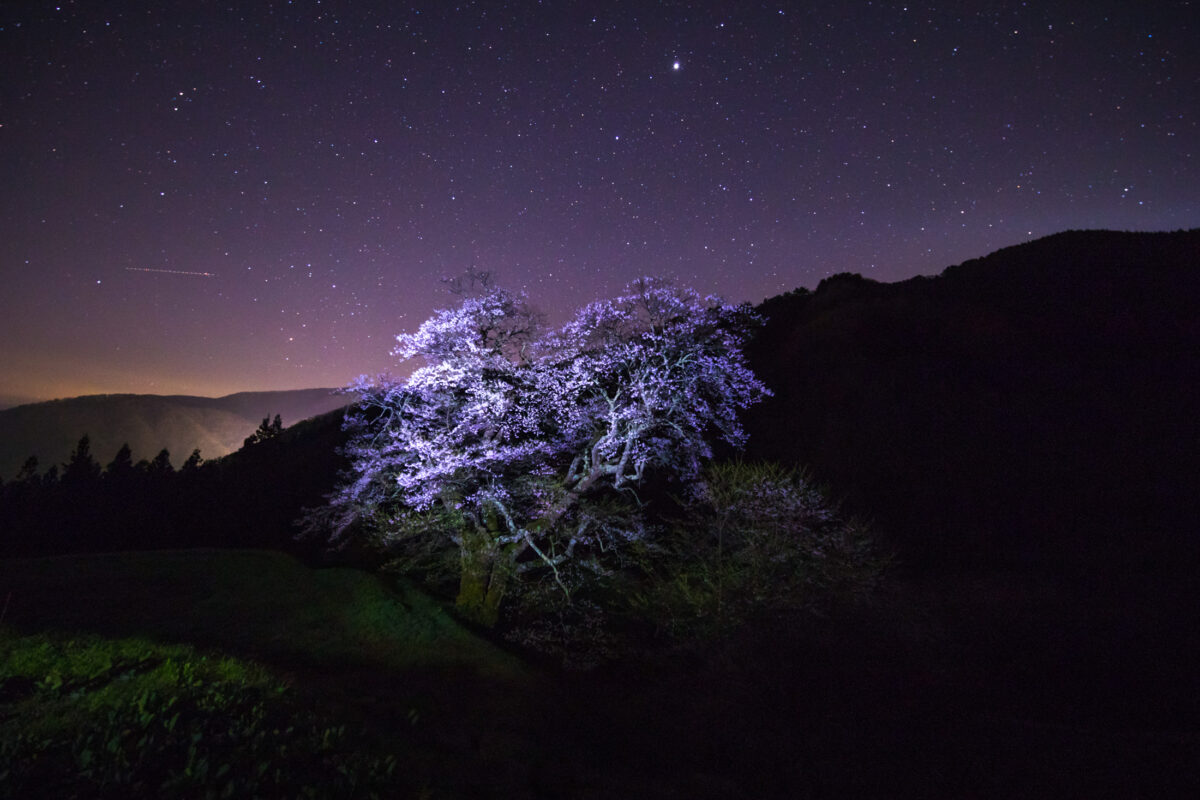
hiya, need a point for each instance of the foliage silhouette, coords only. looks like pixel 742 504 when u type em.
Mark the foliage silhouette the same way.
pixel 266 431
pixel 121 467
pixel 81 470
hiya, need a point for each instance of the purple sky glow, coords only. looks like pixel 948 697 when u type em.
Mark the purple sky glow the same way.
pixel 207 197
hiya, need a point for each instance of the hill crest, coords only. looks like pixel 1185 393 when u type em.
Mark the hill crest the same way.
pixel 217 426
pixel 1034 404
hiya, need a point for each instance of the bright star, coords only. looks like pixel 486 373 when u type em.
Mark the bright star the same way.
pixel 675 66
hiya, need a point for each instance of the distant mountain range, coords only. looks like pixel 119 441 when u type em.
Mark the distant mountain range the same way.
pixel 10 400
pixel 148 423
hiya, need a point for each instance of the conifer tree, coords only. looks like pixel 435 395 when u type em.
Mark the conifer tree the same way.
pixel 161 465
pixel 81 470
pixel 121 467
pixel 193 462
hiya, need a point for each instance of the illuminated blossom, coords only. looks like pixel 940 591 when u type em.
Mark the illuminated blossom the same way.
pixel 520 434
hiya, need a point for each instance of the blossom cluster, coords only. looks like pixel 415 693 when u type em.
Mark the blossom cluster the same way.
pixel 519 431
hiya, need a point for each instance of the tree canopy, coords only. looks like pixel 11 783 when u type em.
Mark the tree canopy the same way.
pixel 523 448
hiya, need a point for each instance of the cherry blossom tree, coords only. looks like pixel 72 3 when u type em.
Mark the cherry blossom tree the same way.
pixel 522 449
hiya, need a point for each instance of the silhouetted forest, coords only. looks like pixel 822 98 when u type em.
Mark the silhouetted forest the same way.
pixel 247 499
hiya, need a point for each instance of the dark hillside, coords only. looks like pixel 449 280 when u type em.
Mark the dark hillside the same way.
pixel 1034 407
pixel 255 495
pixel 250 498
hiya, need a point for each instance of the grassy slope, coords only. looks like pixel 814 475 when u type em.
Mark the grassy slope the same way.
pixel 262 603
pixel 387 662
pixel 87 716
pixel 910 699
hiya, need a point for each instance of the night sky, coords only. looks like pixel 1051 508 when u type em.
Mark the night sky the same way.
pixel 211 197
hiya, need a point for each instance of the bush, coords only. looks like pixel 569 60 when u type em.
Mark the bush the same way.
pixel 757 538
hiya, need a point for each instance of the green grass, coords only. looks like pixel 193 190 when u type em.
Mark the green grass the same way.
pixel 237 673
pixel 246 673
pixel 88 716
pixel 262 603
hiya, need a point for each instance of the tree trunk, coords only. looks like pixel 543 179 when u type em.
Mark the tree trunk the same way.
pixel 482 580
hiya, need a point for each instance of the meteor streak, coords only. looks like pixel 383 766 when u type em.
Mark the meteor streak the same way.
pixel 172 272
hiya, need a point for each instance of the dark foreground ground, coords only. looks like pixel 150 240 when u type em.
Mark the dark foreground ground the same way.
pixel 966 686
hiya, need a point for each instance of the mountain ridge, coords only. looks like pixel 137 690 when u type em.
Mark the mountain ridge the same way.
pixel 50 429
pixel 1031 405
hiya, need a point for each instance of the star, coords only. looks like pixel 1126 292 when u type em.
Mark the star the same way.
pixel 347 193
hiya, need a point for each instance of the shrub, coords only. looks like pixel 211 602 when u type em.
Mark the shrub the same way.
pixel 755 539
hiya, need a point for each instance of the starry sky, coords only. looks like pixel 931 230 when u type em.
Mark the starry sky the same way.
pixel 209 197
